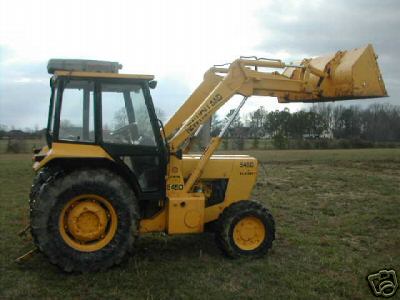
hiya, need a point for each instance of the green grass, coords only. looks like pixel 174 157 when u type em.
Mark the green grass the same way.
pixel 337 215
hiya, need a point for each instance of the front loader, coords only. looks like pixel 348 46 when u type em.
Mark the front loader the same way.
pixel 112 171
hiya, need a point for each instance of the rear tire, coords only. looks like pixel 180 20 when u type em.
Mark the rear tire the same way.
pixel 245 229
pixel 41 177
pixel 86 220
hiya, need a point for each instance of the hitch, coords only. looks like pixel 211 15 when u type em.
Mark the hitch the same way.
pixel 24 231
pixel 26 256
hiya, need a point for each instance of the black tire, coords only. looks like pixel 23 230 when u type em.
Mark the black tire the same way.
pixel 54 195
pixel 231 216
pixel 41 177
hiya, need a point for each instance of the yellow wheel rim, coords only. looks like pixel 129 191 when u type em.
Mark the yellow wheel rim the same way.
pixel 88 222
pixel 249 233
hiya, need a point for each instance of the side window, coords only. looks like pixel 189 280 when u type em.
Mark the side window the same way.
pixel 76 118
pixel 125 116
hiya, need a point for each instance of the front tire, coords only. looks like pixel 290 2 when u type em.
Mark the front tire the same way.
pixel 86 220
pixel 245 229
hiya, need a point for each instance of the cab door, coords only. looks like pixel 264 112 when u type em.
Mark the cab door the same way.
pixel 130 132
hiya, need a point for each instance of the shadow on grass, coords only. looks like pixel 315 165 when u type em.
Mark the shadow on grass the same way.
pixel 150 248
pixel 176 247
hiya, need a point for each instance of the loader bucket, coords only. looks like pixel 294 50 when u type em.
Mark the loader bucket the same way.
pixel 345 75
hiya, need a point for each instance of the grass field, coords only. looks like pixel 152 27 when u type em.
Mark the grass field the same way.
pixel 337 214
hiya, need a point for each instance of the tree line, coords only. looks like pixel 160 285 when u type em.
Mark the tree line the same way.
pixel 369 126
pixel 321 126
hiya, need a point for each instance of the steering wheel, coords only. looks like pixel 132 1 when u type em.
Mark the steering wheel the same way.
pixel 129 133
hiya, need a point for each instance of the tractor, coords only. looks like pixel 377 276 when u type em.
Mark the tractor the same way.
pixel 111 170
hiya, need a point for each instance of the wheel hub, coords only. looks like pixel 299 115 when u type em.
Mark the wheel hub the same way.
pixel 87 221
pixel 249 233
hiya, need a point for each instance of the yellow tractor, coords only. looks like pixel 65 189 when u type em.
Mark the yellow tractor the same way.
pixel 111 170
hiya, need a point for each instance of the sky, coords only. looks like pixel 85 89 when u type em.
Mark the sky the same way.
pixel 177 41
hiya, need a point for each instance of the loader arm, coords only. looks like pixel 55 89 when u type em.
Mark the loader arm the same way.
pixel 345 75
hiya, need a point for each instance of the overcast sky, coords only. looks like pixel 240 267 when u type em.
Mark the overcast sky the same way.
pixel 179 40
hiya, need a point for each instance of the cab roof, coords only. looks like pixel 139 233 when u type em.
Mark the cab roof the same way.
pixel 103 75
pixel 90 68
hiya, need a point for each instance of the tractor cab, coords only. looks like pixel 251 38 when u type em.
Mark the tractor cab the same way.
pixel 95 109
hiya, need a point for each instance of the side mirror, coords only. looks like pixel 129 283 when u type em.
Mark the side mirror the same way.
pixel 153 84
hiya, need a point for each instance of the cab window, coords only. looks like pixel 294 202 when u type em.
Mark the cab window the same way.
pixel 125 116
pixel 76 115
